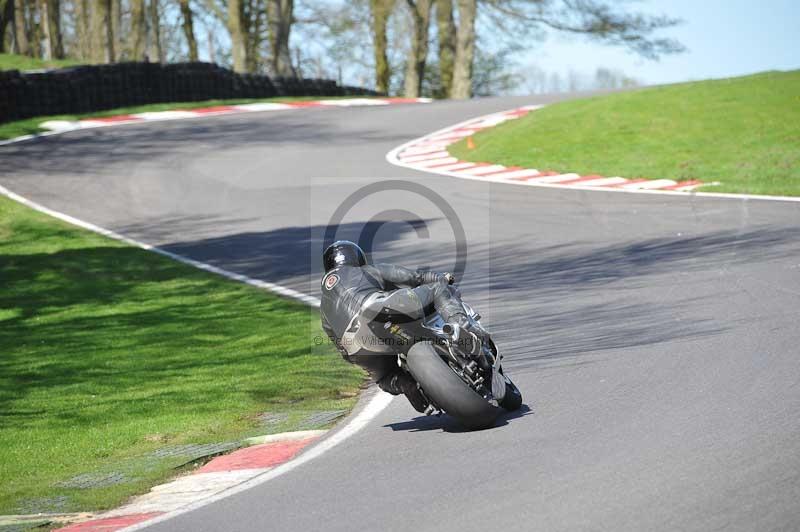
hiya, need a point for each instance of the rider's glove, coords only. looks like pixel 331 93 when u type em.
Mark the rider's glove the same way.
pixel 433 277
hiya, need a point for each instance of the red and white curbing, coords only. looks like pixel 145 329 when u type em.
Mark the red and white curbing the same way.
pixel 61 126
pixel 218 475
pixel 429 154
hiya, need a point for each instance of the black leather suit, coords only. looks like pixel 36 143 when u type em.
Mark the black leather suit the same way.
pixel 351 293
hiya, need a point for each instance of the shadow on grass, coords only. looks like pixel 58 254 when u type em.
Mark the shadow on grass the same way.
pixel 117 331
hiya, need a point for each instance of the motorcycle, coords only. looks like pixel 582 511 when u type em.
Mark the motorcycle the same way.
pixel 469 386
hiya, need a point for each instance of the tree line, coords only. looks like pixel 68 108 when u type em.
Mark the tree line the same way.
pixel 442 48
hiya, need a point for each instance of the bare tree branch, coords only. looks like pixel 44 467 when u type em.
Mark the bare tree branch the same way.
pixel 597 20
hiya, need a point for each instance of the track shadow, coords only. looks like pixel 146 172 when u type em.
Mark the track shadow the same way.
pixel 86 151
pixel 546 306
pixel 546 303
pixel 498 267
pixel 286 253
pixel 446 423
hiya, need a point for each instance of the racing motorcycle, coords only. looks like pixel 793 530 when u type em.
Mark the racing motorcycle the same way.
pixel 467 384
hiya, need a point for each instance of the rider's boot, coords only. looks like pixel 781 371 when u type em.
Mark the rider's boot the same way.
pixel 402 383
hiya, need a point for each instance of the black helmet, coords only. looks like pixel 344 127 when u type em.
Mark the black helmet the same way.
pixel 343 252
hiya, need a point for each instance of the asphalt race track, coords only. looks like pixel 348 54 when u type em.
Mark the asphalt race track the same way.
pixel 655 338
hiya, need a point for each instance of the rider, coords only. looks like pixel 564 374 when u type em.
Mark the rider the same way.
pixel 356 293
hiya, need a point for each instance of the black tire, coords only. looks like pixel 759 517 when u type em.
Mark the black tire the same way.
pixel 447 390
pixel 513 398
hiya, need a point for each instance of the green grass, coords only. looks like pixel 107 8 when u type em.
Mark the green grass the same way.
pixel 30 126
pixel 742 132
pixel 23 62
pixel 108 352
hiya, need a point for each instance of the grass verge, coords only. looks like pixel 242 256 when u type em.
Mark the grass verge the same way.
pixel 741 132
pixel 31 126
pixel 23 62
pixel 111 353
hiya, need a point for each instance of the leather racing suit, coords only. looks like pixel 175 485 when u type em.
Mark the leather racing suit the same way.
pixel 353 293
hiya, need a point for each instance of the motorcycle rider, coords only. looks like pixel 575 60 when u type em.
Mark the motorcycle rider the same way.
pixel 355 293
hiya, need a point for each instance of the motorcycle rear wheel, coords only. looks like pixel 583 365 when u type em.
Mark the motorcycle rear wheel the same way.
pixel 446 389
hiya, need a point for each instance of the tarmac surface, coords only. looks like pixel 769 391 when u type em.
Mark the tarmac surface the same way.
pixel 655 338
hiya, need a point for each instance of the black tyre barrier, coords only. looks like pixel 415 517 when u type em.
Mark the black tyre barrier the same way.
pixel 89 88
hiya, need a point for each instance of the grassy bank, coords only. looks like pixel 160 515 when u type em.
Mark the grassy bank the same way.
pixel 742 132
pixel 30 126
pixel 23 62
pixel 114 359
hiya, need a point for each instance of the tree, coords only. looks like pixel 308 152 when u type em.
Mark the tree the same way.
pixel 535 80
pixel 43 29
pixel 115 16
pixel 237 29
pixel 418 52
pixel 555 83
pixel 446 35
pixel 137 39
pixel 280 15
pixel 6 18
pixel 35 29
pixel 154 27
pixel 493 71
pixel 188 29
pixel 50 19
pixel 380 10
pixel 598 20
pixel 103 49
pixel 21 28
pixel 461 87
pixel 255 26
pixel 606 78
pixel 83 40
pixel 333 36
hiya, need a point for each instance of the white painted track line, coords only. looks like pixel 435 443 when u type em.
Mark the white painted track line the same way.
pixel 519 174
pixel 270 287
pixel 554 178
pixel 455 166
pixel 419 158
pixel 375 405
pixel 63 126
pixel 487 169
pixel 437 161
pixel 655 183
pixel 164 115
pixel 419 151
pixel 604 182
pixel 265 106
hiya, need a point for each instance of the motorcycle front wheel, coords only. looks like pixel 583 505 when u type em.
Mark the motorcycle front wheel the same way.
pixel 513 398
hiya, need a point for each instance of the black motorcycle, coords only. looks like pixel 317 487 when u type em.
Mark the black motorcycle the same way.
pixel 457 376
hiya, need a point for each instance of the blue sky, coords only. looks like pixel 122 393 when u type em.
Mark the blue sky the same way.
pixel 724 38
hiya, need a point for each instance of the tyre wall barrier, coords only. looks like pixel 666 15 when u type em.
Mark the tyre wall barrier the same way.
pixel 90 88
